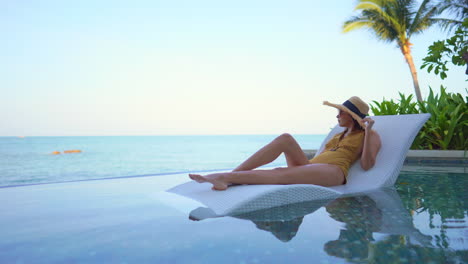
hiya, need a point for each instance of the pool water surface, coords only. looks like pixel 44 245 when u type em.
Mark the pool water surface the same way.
pixel 422 219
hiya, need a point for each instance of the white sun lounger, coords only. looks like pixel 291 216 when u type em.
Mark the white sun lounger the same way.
pixel 397 133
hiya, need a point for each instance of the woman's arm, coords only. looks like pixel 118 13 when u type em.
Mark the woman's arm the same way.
pixel 371 145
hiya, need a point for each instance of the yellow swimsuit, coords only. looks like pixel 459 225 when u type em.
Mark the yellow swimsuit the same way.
pixel 341 152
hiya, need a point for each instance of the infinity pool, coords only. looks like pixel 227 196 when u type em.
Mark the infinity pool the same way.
pixel 423 219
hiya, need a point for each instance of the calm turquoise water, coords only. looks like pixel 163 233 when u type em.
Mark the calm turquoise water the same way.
pixel 29 160
pixel 423 219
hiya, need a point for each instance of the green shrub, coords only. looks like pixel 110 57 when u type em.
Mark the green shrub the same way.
pixel 447 128
pixel 403 107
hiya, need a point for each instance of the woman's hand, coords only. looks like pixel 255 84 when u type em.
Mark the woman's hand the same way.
pixel 368 122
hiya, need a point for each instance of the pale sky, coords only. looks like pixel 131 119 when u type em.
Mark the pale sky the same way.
pixel 72 68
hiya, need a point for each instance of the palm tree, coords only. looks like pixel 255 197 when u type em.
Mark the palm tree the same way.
pixel 395 21
pixel 458 9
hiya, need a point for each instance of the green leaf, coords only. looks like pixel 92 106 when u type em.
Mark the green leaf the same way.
pixel 429 69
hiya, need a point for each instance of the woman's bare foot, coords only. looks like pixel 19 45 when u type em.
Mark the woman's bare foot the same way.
pixel 216 179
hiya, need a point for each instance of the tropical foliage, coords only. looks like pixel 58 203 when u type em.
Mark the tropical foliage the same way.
pixel 447 128
pixel 454 49
pixel 395 21
pixel 403 107
pixel 458 9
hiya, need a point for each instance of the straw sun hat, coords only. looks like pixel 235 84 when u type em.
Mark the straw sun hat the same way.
pixel 356 107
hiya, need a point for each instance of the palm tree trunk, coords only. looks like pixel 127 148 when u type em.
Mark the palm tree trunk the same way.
pixel 405 49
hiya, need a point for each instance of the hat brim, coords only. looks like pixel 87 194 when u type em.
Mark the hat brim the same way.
pixel 344 108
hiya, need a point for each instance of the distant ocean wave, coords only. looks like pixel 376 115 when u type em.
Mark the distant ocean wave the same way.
pixel 31 160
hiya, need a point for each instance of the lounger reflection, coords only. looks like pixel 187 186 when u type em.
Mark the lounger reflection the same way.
pixel 380 211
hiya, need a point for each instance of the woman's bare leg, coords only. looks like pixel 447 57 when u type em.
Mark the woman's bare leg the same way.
pixel 318 174
pixel 284 143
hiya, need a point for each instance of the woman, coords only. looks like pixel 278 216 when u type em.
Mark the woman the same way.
pixel 328 168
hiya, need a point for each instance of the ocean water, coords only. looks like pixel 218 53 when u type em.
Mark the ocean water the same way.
pixel 29 160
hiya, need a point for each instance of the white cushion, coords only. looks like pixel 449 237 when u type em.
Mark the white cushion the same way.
pixel 397 133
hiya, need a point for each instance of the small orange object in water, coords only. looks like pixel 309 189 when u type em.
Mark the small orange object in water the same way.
pixel 55 153
pixel 72 151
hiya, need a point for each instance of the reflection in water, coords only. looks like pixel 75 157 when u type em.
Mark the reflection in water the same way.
pixel 283 230
pixel 377 228
pixel 361 217
pixel 377 212
pixel 442 199
pixel 282 221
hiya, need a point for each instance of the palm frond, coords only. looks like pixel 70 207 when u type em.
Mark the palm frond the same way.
pixel 423 23
pixel 422 12
pixel 381 26
pixel 377 2
pixel 447 24
pixel 355 23
pixel 457 10
pixel 398 20
pixel 402 10
pixel 367 5
pixel 380 12
pixel 374 14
